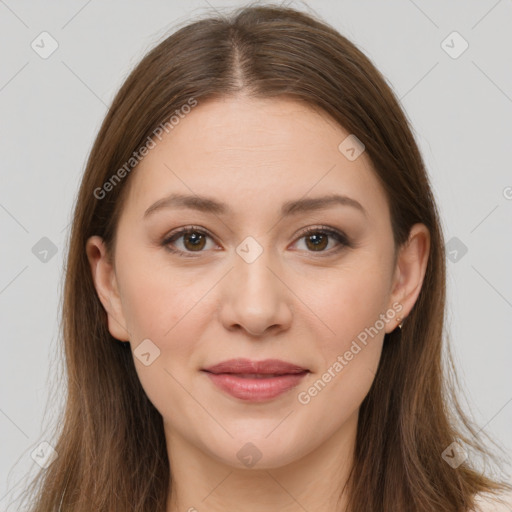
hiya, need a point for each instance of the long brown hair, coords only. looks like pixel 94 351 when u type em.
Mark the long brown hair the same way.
pixel 111 444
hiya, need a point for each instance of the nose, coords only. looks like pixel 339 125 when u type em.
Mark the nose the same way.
pixel 254 298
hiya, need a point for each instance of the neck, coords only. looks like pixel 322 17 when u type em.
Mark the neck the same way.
pixel 314 481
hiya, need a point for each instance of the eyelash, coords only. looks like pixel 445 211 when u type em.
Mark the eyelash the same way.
pixel 340 237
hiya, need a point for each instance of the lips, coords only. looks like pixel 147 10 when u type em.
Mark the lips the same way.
pixel 255 381
pixel 268 367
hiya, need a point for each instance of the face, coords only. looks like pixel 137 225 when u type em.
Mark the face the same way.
pixel 260 271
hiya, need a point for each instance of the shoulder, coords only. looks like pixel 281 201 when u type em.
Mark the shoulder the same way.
pixel 493 503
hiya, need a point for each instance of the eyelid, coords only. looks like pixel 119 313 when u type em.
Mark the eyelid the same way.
pixel 323 228
pixel 188 229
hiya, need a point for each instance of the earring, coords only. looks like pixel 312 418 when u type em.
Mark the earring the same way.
pixel 397 331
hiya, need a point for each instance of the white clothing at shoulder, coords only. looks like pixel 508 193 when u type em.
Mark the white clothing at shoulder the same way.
pixel 490 503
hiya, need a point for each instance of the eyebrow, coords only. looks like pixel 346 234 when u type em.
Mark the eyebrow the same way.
pixel 209 205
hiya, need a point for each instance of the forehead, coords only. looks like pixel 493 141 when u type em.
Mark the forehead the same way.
pixel 269 150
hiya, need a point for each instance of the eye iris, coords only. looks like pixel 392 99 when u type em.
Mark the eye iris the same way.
pixel 319 241
pixel 197 239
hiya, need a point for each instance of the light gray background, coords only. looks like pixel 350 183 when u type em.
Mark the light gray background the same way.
pixel 51 109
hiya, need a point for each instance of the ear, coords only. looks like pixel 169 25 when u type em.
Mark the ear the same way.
pixel 105 282
pixel 410 271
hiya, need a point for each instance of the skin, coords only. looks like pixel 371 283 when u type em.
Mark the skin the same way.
pixel 292 303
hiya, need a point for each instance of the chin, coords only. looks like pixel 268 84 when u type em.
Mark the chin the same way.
pixel 256 452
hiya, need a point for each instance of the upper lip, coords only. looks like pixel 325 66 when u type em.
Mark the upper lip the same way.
pixel 247 366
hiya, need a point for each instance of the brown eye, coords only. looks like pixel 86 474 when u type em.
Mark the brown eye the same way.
pixel 187 241
pixel 194 241
pixel 317 241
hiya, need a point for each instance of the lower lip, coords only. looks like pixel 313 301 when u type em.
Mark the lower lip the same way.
pixel 255 390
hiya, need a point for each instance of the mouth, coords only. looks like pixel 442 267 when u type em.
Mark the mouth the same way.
pixel 255 381
pixel 267 367
pixel 256 375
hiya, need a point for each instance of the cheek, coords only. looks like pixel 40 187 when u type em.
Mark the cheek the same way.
pixel 172 308
pixel 156 299
pixel 161 304
pixel 350 305
pixel 349 300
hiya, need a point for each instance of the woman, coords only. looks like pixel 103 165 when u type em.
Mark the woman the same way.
pixel 255 290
